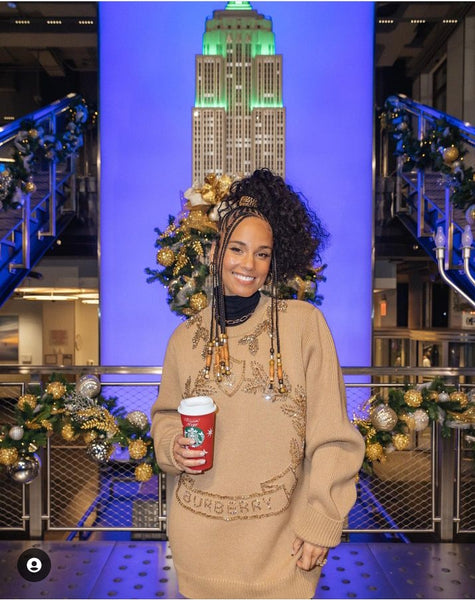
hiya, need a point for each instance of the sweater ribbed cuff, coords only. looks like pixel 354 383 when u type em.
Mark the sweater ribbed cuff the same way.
pixel 311 526
pixel 166 447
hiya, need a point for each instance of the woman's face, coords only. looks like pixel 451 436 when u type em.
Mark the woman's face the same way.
pixel 247 257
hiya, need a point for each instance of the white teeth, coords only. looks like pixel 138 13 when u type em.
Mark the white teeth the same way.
pixel 244 277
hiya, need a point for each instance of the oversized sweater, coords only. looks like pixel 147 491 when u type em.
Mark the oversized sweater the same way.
pixel 283 467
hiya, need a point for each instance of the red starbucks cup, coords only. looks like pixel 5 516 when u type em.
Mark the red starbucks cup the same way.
pixel 198 416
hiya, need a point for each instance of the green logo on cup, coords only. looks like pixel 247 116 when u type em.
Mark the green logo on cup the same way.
pixel 196 434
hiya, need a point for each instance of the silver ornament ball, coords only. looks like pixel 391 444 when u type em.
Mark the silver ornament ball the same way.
pixel 99 450
pixel 443 397
pixel 470 214
pixel 383 418
pixel 138 419
pixel 16 432
pixel 421 419
pixel 25 469
pixel 89 386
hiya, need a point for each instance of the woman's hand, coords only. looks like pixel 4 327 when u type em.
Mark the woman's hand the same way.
pixel 185 457
pixel 311 556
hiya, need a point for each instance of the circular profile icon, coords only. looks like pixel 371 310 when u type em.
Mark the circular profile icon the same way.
pixel 34 564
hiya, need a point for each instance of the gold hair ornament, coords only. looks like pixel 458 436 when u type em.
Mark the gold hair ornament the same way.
pixel 248 201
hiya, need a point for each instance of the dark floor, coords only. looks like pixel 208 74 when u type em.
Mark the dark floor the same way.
pixel 144 569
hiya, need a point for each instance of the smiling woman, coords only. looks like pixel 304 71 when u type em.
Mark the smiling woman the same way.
pixel 271 368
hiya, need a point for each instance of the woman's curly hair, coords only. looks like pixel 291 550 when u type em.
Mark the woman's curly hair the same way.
pixel 298 233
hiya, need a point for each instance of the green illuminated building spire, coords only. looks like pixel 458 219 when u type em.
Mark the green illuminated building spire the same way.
pixel 238 118
pixel 237 5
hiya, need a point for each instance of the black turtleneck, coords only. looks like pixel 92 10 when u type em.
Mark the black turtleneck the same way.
pixel 237 307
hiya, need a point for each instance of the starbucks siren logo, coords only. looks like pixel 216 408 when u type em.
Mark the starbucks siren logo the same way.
pixel 196 434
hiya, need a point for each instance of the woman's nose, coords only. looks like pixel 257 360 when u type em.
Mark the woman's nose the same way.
pixel 248 261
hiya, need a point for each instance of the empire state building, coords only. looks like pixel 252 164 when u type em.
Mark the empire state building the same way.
pixel 238 117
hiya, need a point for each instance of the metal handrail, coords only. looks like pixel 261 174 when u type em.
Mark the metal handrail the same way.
pixel 9 131
pixel 430 113
pixel 13 369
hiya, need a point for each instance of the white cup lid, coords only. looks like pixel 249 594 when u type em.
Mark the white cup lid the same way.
pixel 197 405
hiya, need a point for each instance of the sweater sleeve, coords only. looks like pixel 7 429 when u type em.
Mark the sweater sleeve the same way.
pixel 334 449
pixel 166 422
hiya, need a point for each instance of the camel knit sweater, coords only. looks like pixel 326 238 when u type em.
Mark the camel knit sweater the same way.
pixel 282 468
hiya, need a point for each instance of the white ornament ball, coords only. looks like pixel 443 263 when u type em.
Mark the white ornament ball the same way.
pixel 89 386
pixel 16 432
pixel 421 419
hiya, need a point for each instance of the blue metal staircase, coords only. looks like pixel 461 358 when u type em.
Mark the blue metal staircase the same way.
pixel 422 201
pixel 27 232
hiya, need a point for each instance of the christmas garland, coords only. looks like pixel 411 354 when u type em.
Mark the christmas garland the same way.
pixel 184 248
pixel 390 421
pixel 32 147
pixel 76 412
pixel 442 149
pixel 79 411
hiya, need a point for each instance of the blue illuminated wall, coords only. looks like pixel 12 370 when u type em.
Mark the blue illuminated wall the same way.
pixel 147 55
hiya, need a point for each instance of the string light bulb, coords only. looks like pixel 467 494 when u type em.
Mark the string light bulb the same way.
pixel 467 237
pixel 439 237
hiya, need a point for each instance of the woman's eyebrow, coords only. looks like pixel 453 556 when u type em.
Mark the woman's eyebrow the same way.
pixel 245 245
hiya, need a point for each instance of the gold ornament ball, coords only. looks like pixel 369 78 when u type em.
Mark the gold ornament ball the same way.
pixel 374 451
pixel 33 133
pixel 89 436
pixel 8 456
pixel 166 257
pixel 137 418
pixel 460 397
pixel 137 449
pixel 143 472
pixel 383 418
pixel 413 398
pixel 400 441
pixel 450 154
pixel 30 187
pixel 198 301
pixel 27 400
pixel 56 389
pixel 68 433
pixel 408 418
pixel 434 395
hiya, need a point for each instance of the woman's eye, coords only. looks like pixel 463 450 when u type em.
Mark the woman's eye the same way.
pixel 235 249
pixel 264 255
